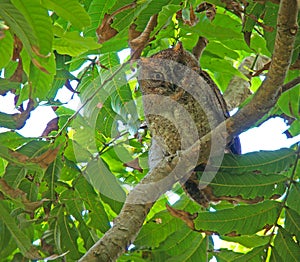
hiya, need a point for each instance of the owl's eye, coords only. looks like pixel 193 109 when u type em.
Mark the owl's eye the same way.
pixel 157 76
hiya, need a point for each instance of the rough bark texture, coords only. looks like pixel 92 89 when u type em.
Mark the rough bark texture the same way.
pixel 129 222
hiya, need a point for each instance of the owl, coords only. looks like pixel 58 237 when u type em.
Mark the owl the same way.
pixel 181 104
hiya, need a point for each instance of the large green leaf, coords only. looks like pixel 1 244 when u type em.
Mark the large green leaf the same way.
pixel 40 74
pixel 240 219
pixel 20 237
pixel 255 255
pixel 99 175
pixel 286 247
pixel 292 222
pixel 249 241
pixel 98 217
pixel 97 10
pixel 6 50
pixel 75 208
pixel 72 43
pixel 270 19
pixel 18 24
pixel 192 247
pixel 40 22
pixel 152 233
pixel 259 162
pixel 6 85
pixel 293 198
pixel 249 186
pixel 70 10
pixel 65 234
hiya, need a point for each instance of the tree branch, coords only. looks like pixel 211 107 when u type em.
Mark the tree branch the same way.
pixel 130 220
pixel 291 84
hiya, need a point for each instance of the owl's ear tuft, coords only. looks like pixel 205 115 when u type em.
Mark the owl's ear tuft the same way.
pixel 178 48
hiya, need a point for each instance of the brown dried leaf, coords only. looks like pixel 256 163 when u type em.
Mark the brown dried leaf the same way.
pixel 192 19
pixel 237 199
pixel 36 50
pixel 20 157
pixel 186 217
pixel 138 44
pixel 134 164
pixel 247 37
pixel 209 8
pixel 39 66
pixel 267 228
pixel 45 159
pixel 19 196
pixel 105 31
pixel 232 234
pixel 51 126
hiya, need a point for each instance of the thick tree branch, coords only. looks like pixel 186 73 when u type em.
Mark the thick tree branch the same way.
pixel 131 218
pixel 268 93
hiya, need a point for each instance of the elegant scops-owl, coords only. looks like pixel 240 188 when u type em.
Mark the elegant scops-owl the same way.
pixel 181 105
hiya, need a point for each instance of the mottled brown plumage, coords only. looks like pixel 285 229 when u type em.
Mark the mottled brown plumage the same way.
pixel 181 105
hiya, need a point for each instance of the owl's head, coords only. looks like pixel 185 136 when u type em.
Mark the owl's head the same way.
pixel 162 72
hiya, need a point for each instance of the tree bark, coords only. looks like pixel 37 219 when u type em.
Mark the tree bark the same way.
pixel 139 201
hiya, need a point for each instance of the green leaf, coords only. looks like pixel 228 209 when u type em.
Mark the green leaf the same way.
pixel 40 74
pixel 192 247
pixel 51 176
pixel 221 66
pixel 13 139
pixel 225 255
pixel 40 22
pixel 72 43
pixel 22 240
pixel 165 9
pixel 286 246
pixel 220 50
pixel 254 11
pixel 248 241
pixel 292 222
pixel 99 175
pixel 249 186
pixel 6 50
pixel 213 30
pixel 270 19
pixel 240 219
pixel 293 197
pixel 66 234
pixel 75 208
pixel 289 102
pixel 152 233
pixel 18 24
pixel 96 11
pixel 259 162
pixel 70 10
pixel 6 85
pixel 255 255
pixel 99 219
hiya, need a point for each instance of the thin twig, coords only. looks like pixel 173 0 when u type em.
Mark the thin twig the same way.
pixel 89 99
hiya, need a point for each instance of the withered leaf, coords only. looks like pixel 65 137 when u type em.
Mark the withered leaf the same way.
pixel 138 43
pixel 134 164
pixel 51 126
pixel 209 8
pixel 105 31
pixel 45 159
pixel 232 234
pixel 186 217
